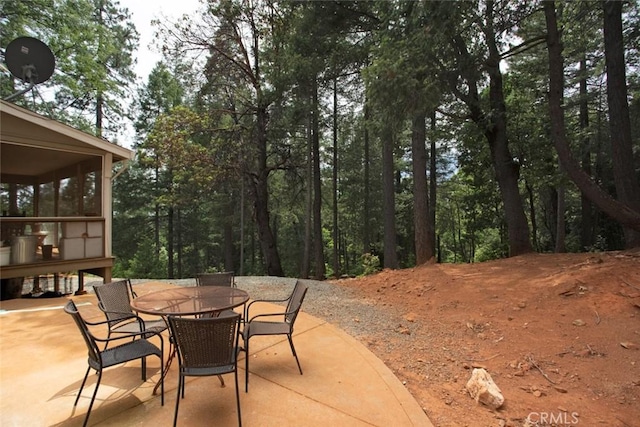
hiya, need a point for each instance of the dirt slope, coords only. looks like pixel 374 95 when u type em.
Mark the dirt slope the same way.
pixel 558 333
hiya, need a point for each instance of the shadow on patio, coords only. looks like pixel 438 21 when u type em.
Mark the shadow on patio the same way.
pixel 43 360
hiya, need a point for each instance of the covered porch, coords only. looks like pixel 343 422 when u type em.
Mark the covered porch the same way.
pixel 55 198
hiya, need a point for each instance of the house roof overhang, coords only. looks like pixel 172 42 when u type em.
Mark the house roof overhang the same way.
pixel 36 146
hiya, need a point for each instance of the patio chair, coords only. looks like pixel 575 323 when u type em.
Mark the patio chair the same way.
pixel 98 359
pixel 281 325
pixel 224 278
pixel 215 279
pixel 206 347
pixel 114 299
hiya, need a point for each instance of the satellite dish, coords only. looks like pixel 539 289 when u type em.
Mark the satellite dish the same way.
pixel 29 60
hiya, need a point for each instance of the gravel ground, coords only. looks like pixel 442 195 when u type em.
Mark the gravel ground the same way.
pixel 337 305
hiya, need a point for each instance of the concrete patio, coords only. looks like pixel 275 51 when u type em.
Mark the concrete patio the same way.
pixel 43 360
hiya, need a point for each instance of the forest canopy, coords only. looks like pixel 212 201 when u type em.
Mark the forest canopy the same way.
pixel 331 138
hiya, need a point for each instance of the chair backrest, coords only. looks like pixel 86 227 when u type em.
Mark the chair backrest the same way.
pixel 295 302
pixel 92 346
pixel 115 300
pixel 215 279
pixel 206 342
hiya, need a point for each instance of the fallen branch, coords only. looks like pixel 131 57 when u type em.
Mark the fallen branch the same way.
pixel 597 316
pixel 629 284
pixel 622 421
pixel 484 359
pixel 535 365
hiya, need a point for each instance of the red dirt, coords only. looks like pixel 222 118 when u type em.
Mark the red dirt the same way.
pixel 558 333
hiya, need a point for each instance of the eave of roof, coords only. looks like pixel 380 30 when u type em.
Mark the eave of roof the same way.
pixel 58 132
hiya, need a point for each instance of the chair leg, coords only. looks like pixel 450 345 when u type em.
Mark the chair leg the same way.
pixel 180 388
pixel 162 378
pixel 93 398
pixel 84 380
pixel 243 316
pixel 182 385
pixel 221 380
pixel 293 350
pixel 246 365
pixel 235 373
pixel 144 369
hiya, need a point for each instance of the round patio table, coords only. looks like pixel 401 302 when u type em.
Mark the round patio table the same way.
pixel 186 301
pixel 192 300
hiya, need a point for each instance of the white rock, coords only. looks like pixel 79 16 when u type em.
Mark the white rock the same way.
pixel 482 388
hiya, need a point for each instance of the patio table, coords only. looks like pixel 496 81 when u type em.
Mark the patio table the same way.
pixel 188 301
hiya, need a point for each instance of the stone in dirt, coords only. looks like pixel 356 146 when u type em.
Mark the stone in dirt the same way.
pixel 482 388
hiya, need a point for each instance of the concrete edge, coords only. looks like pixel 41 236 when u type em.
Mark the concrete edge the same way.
pixel 409 404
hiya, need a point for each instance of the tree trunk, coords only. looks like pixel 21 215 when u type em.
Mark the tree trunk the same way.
pixel 261 199
pixel 424 252
pixel 170 245
pixel 532 215
pixel 494 127
pixel 433 180
pixel 389 200
pixel 156 214
pixel 618 211
pixel 318 243
pixel 179 243
pixel 507 171
pixel 551 198
pixel 230 211
pixel 366 199
pixel 561 233
pixel 586 234
pixel 99 94
pixel 99 113
pixel 260 183
pixel 336 243
pixel 625 177
pixel 306 261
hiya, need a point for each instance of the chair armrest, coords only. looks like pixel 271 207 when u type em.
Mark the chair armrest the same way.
pixel 143 334
pixel 269 300
pixel 126 316
pixel 248 306
pixel 125 313
pixel 102 322
pixel 280 314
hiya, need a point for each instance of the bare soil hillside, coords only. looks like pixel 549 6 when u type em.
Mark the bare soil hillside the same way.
pixel 558 333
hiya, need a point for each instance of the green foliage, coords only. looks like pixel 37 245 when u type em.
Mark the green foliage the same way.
pixel 93 42
pixel 159 95
pixel 491 246
pixel 202 147
pixel 145 265
pixel 370 264
pixel 599 245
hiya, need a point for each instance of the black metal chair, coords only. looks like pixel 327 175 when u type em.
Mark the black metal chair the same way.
pixel 138 348
pixel 114 299
pixel 206 347
pixel 281 325
pixel 224 278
